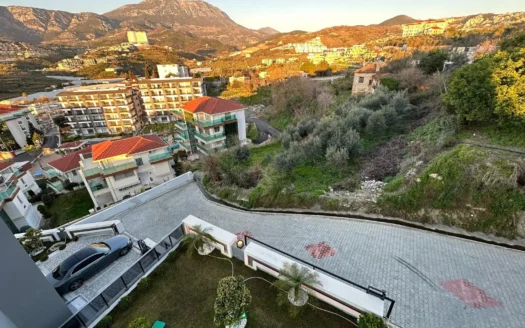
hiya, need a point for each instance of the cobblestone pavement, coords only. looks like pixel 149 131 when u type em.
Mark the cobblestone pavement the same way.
pixel 437 281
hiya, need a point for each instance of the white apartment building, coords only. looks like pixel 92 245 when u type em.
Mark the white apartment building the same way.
pixel 65 169
pixel 17 119
pixel 103 109
pixel 204 124
pixel 16 186
pixel 163 96
pixel 172 70
pixel 119 169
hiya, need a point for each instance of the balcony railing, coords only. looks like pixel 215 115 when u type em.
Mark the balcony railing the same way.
pixel 8 192
pixel 215 122
pixel 92 172
pixel 210 137
pixel 118 168
pixel 209 150
pixel 160 157
pixel 181 125
pixel 96 186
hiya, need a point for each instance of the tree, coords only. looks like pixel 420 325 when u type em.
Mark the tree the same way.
pixel 140 322
pixel 433 62
pixel 60 121
pixel 34 151
pixel 233 297
pixel 472 92
pixel 513 43
pixel 376 124
pixel 411 79
pixel 292 278
pixel 369 320
pixel 509 77
pixel 198 239
pixel 337 158
pixel 391 83
pixel 32 239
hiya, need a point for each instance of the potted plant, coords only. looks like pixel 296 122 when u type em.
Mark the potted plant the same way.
pixel 369 320
pixel 292 278
pixel 233 297
pixel 199 239
pixel 33 242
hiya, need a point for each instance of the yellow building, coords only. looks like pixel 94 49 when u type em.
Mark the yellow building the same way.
pixel 139 38
pixel 431 27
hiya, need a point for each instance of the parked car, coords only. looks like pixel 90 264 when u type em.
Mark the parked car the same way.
pixel 71 274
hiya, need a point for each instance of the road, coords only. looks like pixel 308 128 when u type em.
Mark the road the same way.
pixel 265 129
pixel 51 139
pixel 437 281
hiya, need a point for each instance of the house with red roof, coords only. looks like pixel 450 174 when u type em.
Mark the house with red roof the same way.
pixel 205 123
pixel 117 169
pixel 366 79
pixel 66 169
pixel 17 185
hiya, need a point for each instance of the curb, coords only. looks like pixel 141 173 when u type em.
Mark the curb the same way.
pixel 363 217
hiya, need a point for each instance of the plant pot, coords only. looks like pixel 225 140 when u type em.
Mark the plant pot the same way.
pixel 300 300
pixel 206 249
pixel 37 251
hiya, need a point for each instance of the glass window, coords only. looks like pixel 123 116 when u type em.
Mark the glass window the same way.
pixel 361 79
pixel 139 161
pixel 74 173
pixel 217 129
pixel 86 263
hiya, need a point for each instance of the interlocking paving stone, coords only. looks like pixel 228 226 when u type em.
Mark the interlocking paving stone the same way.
pixel 320 250
pixel 409 264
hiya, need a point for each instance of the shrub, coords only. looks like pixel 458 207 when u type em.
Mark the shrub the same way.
pixel 232 299
pixel 140 322
pixel 44 258
pixel 47 198
pixel 105 322
pixel 390 83
pixel 125 303
pixel 70 186
pixel 369 320
pixel 433 62
pixel 44 211
pixel 376 125
pixel 143 284
pixel 62 247
pixel 337 158
pixel 242 154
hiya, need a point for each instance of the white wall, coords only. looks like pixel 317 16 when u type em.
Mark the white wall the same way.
pixel 27 182
pixel 176 70
pixel 74 178
pixel 19 210
pixel 241 124
pixel 17 132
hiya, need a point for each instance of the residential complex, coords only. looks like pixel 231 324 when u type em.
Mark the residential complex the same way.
pixel 163 96
pixel 18 120
pixel 430 27
pixel 118 169
pixel 16 186
pixel 111 108
pixel 366 80
pixel 138 38
pixel 65 170
pixel 204 124
pixel 312 46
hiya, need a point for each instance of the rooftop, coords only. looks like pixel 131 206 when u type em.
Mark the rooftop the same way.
pixel 212 106
pixel 70 145
pixel 370 68
pixel 70 161
pixel 127 146
pixel 95 89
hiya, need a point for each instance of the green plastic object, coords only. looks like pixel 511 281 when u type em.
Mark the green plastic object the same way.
pixel 159 324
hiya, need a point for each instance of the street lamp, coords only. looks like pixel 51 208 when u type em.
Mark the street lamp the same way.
pixel 240 244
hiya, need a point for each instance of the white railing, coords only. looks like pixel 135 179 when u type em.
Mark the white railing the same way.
pixel 52 235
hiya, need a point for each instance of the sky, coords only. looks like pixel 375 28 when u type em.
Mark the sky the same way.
pixel 308 15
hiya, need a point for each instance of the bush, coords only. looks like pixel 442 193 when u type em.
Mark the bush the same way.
pixel 337 158
pixel 105 322
pixel 70 186
pixel 376 125
pixel 47 199
pixel 140 322
pixel 143 284
pixel 232 299
pixel 44 211
pixel 433 62
pixel 44 258
pixel 125 303
pixel 242 154
pixel 369 320
pixel 390 83
pixel 62 247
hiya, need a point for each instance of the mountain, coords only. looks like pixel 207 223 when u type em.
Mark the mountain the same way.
pixel 398 20
pixel 196 17
pixel 268 31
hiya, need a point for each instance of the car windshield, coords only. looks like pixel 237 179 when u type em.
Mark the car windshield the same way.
pixel 61 270
pixel 101 247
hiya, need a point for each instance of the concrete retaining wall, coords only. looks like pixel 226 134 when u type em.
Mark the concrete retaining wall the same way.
pixel 133 202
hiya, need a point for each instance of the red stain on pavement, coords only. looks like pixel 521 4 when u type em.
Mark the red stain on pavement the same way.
pixel 470 294
pixel 321 250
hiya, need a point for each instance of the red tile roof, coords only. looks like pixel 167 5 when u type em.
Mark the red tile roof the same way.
pixel 212 106
pixel 133 145
pixel 370 68
pixel 7 109
pixel 73 144
pixel 5 165
pixel 69 162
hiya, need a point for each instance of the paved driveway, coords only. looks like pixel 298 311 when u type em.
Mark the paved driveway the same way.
pixel 265 129
pixel 437 281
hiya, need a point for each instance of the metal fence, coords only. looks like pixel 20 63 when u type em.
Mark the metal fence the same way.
pixel 125 282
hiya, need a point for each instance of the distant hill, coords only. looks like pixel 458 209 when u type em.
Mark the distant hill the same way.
pixel 398 20
pixel 268 31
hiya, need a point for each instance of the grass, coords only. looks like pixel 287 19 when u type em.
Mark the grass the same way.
pixel 281 120
pixel 315 178
pixel 258 154
pixel 507 136
pixel 69 207
pixel 262 97
pixel 182 293
pixel 252 133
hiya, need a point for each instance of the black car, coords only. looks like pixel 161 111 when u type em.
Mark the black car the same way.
pixel 73 271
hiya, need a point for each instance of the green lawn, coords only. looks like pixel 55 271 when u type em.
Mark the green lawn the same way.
pixel 182 293
pixel 507 136
pixel 315 179
pixel 71 206
pixel 257 154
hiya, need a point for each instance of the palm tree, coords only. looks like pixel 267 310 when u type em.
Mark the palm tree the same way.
pixel 198 239
pixel 292 278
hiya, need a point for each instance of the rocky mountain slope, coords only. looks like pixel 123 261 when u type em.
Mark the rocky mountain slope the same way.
pixel 268 31
pixel 398 20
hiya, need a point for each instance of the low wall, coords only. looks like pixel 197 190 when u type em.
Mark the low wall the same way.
pixel 140 199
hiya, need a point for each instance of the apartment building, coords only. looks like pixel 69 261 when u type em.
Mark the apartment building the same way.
pixel 16 186
pixel 366 80
pixel 204 124
pixel 118 169
pixel 163 96
pixel 430 27
pixel 312 46
pixel 138 38
pixel 18 120
pixel 65 170
pixel 104 109
pixel 173 70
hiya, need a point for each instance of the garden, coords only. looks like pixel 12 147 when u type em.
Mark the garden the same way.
pixel 209 290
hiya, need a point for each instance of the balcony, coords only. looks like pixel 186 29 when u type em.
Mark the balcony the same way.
pixel 220 121
pixel 209 150
pixel 97 186
pixel 209 137
pixel 184 135
pixel 181 125
pixel 118 168
pixel 160 157
pixel 92 172
pixel 8 191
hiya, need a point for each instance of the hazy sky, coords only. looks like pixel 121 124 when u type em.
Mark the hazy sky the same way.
pixel 309 15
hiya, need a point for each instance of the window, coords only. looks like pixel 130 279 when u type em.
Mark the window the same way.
pixel 151 179
pixel 74 173
pixel 21 179
pixel 217 129
pixel 361 79
pixel 370 82
pixel 87 262
pixel 124 176
pixel 139 161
